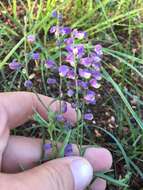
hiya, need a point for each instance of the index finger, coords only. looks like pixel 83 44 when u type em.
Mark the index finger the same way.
pixel 20 107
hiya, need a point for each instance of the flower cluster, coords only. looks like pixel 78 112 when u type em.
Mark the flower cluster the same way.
pixel 80 66
pixel 75 74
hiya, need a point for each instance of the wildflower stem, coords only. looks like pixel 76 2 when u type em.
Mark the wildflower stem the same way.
pixel 25 45
pixel 60 63
pixel 76 96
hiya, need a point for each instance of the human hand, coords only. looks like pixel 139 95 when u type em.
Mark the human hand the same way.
pixel 69 173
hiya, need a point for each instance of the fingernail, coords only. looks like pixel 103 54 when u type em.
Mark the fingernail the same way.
pixel 98 184
pixel 82 173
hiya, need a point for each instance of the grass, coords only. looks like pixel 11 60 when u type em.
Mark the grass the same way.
pixel 118 26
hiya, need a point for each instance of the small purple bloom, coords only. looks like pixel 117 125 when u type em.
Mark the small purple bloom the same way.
pixel 88 116
pixel 79 34
pixel 86 61
pixel 68 150
pixel 69 41
pixel 51 81
pixel 36 56
pixel 60 118
pixel 92 102
pixel 31 38
pixel 14 65
pixel 65 30
pixel 47 146
pixel 63 70
pixel 96 75
pixel 71 74
pixel 53 29
pixel 84 73
pixel 70 92
pixel 98 50
pixel 70 59
pixel 83 84
pixel 96 66
pixel 54 14
pixel 49 64
pixel 95 58
pixel 90 96
pixel 77 50
pixel 64 107
pixel 28 84
pixel 94 83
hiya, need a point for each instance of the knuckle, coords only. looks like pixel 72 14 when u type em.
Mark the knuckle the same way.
pixel 56 178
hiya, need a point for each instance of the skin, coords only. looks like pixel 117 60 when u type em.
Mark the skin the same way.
pixel 15 109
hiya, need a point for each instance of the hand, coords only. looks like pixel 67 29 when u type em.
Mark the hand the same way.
pixel 70 173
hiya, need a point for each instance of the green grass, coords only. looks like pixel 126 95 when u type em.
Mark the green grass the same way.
pixel 118 26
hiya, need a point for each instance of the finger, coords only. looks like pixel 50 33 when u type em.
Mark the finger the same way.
pixel 101 161
pixel 20 107
pixel 26 152
pixel 72 173
pixel 98 184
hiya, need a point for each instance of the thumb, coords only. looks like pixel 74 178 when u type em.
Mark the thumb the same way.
pixel 71 173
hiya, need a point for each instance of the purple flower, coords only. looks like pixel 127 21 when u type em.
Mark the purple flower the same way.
pixel 86 61
pixel 77 50
pixel 70 59
pixel 69 41
pixel 63 70
pixel 64 107
pixel 53 29
pixel 96 66
pixel 51 81
pixel 79 34
pixel 70 92
pixel 92 102
pixel 60 118
pixel 83 84
pixel 47 146
pixel 57 15
pixel 84 73
pixel 36 56
pixel 65 30
pixel 68 150
pixel 96 75
pixel 54 14
pixel 98 50
pixel 90 96
pixel 94 83
pixel 28 84
pixel 95 58
pixel 31 38
pixel 14 65
pixel 49 64
pixel 88 116
pixel 71 74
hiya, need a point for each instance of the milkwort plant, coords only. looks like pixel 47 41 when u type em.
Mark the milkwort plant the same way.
pixel 77 72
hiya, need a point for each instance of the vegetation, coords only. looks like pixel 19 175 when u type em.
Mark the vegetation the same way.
pixel 118 113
